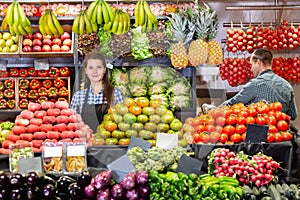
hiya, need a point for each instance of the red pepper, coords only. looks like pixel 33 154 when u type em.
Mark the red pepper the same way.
pixel 35 84
pixel 64 72
pixel 59 83
pixel 53 72
pixel 23 72
pixel 42 99
pixel 9 93
pixel 62 99
pixel 43 91
pixel 23 94
pixel 3 104
pixel 1 95
pixel 11 103
pixel 47 83
pixel 33 94
pixel 63 92
pixel 32 72
pixel 24 84
pixel 53 100
pixel 43 73
pixel 23 103
pixel 52 92
pixel 1 85
pixel 4 73
pixel 9 84
pixel 14 72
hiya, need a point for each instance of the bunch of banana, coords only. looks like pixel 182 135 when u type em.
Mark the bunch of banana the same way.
pixel 100 12
pixel 16 20
pixel 82 25
pixel 49 24
pixel 144 16
pixel 120 24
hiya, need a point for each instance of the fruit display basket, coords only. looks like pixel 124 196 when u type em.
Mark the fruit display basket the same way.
pixel 15 54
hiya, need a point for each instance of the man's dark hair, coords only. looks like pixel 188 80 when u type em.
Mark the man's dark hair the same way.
pixel 264 55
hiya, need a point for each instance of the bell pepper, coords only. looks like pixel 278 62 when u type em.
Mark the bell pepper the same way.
pixel 23 94
pixel 227 180
pixel 229 189
pixel 14 72
pixel 1 95
pixel 43 73
pixel 23 103
pixel 35 84
pixel 23 72
pixel 24 84
pixel 59 83
pixel 63 92
pixel 43 91
pixel 52 92
pixel 64 72
pixel 62 99
pixel 53 72
pixel 9 93
pixel 42 99
pixel 32 72
pixel 11 103
pixel 9 84
pixel 33 94
pixel 3 104
pixel 1 86
pixel 4 73
pixel 47 84
pixel 53 99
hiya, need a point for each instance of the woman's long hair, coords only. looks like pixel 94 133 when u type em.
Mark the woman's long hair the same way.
pixel 107 87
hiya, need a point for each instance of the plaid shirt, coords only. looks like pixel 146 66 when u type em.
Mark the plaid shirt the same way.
pixel 270 87
pixel 79 98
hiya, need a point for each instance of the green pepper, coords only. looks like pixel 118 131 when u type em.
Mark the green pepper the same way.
pixel 228 181
pixel 172 177
pixel 177 195
pixel 239 191
pixel 187 197
pixel 222 194
pixel 229 189
pixel 197 197
pixel 154 196
pixel 215 188
pixel 181 186
pixel 207 198
pixel 204 190
pixel 194 190
pixel 154 187
pixel 193 177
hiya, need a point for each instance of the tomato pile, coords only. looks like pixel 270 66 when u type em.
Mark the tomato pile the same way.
pixel 283 36
pixel 258 170
pixel 237 71
pixel 287 68
pixel 229 124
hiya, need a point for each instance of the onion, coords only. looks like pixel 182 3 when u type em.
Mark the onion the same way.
pixel 132 194
pixel 142 177
pixel 90 191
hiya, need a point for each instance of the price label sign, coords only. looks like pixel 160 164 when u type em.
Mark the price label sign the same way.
pixel 30 164
pixel 41 64
pixel 256 133
pixel 3 65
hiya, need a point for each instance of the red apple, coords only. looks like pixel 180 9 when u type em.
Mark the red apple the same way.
pixel 38 36
pixel 55 48
pixel 47 41
pixel 37 42
pixel 28 36
pixel 56 41
pixel 67 42
pixel 46 48
pixel 47 37
pixel 56 37
pixel 37 49
pixel 65 48
pixel 65 35
pixel 27 42
pixel 27 49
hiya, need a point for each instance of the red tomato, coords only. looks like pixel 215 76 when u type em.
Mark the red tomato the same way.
pixel 282 125
pixel 271 120
pixel 279 115
pixel 270 138
pixel 210 128
pixel 240 129
pixel 243 137
pixel 250 120
pixel 214 137
pixel 196 137
pixel 277 137
pixel 251 112
pixel 220 121
pixel 260 120
pixel 276 106
pixel 200 128
pixel 241 120
pixel 272 129
pixel 231 120
pixel 263 109
pixel 236 138
pixel 243 113
pixel 219 129
pixel 204 137
pixel 223 137
pixel 227 112
pixel 286 136
pixel 228 129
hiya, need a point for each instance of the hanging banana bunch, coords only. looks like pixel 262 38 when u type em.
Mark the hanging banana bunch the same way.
pixel 49 24
pixel 82 25
pixel 16 20
pixel 120 24
pixel 100 12
pixel 144 17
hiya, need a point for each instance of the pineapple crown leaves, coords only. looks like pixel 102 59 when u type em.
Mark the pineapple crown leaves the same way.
pixel 179 27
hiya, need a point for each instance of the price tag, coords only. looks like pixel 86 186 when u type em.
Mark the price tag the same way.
pixel 53 151
pixel 135 141
pixel 189 165
pixel 41 64
pixel 3 65
pixel 76 150
pixel 166 141
pixel 30 164
pixel 256 133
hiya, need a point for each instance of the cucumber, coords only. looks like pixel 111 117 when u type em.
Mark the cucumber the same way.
pixel 295 190
pixel 266 198
pixel 247 192
pixel 288 192
pixel 256 191
pixel 279 189
pixel 273 192
pixel 282 197
pixel 253 197
pixel 263 191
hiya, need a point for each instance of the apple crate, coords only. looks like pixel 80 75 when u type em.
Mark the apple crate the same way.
pixel 44 46
pixel 7 43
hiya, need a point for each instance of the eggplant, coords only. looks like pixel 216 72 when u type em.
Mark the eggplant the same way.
pixel 84 178
pixel 117 191
pixel 32 178
pixel 4 194
pixel 132 194
pixel 48 191
pixel 63 183
pixel 142 177
pixel 3 180
pixel 16 194
pixel 103 194
pixel 90 191
pixel 47 180
pixel 75 191
pixel 33 193
pixel 128 182
pixel 16 180
pixel 102 180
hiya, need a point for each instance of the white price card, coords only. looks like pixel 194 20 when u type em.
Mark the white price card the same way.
pixel 76 150
pixel 53 151
pixel 41 64
pixel 166 140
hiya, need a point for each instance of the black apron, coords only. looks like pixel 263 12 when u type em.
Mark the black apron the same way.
pixel 92 114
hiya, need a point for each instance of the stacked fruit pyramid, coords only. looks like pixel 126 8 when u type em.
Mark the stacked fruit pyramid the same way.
pixel 46 122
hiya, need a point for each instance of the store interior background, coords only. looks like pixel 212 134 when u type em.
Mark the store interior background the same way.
pixel 214 83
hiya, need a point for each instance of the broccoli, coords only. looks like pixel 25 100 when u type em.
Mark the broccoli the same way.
pixel 158 88
pixel 138 75
pixel 179 102
pixel 118 77
pixel 138 153
pixel 161 74
pixel 140 167
pixel 167 158
pixel 155 153
pixel 177 151
pixel 158 166
pixel 173 167
pixel 180 87
pixel 137 89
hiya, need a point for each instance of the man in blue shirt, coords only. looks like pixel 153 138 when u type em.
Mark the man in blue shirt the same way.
pixel 266 85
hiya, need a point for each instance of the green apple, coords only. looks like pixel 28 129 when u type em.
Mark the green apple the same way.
pixel 6 49
pixel 6 35
pixel 9 42
pixel 1 49
pixel 1 35
pixel 15 39
pixel 14 48
pixel 2 43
